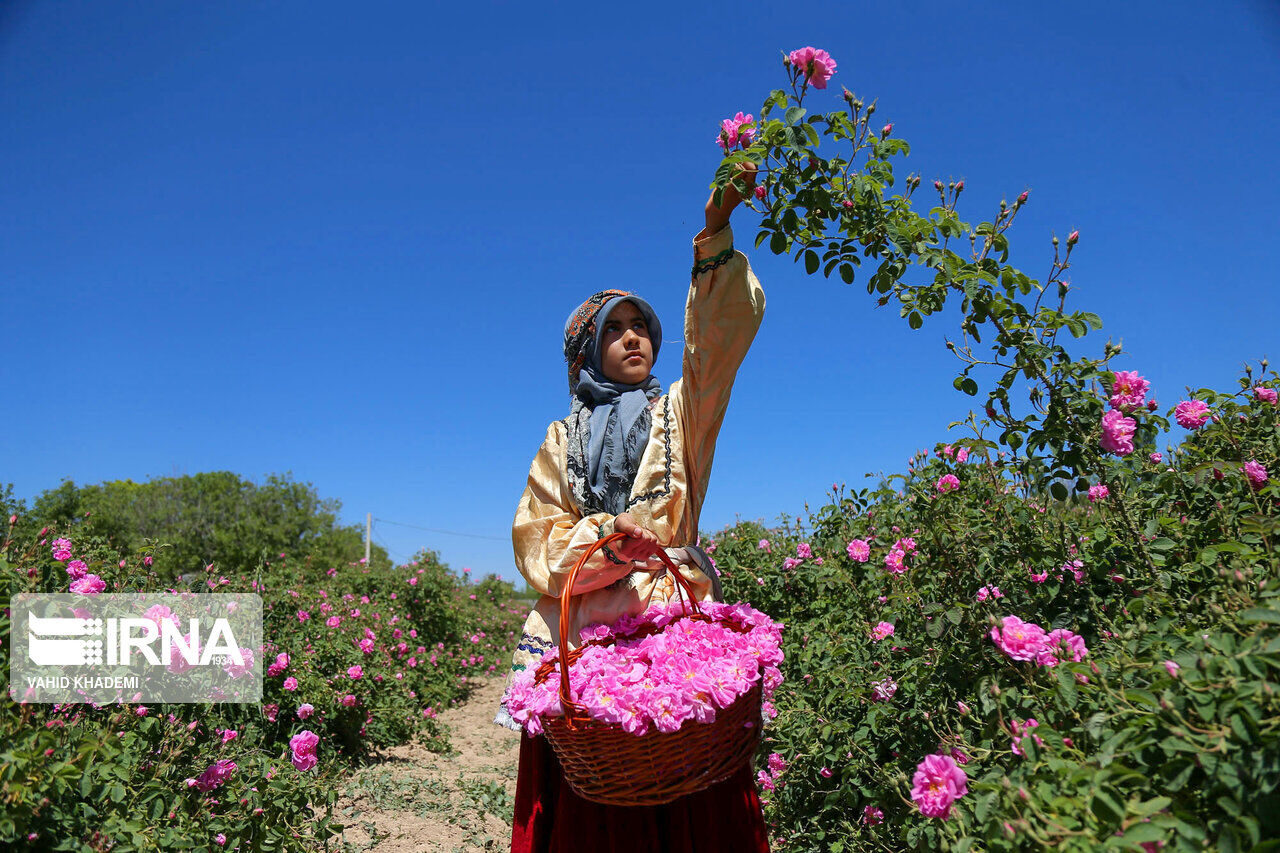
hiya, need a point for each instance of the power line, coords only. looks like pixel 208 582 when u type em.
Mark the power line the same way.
pixel 445 532
pixel 390 551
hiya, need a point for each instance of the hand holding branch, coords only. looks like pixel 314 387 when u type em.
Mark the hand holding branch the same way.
pixel 718 217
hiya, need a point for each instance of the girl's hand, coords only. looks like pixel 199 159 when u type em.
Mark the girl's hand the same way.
pixel 718 217
pixel 640 541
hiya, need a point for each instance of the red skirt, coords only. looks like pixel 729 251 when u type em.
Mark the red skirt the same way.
pixel 551 818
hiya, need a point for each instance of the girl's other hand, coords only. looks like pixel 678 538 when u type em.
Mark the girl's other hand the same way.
pixel 640 541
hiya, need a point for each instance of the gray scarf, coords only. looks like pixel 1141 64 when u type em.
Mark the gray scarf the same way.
pixel 608 423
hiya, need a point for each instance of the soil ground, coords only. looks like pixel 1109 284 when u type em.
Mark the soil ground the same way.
pixel 412 800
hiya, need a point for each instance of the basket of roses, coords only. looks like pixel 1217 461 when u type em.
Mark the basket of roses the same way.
pixel 655 706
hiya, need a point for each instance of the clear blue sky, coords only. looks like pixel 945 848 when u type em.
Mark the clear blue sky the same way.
pixel 341 240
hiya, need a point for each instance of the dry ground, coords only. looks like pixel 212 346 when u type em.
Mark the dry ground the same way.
pixel 414 800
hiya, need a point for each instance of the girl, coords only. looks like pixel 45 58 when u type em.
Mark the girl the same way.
pixel 633 460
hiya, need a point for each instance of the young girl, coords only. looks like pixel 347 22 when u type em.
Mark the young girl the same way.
pixel 631 459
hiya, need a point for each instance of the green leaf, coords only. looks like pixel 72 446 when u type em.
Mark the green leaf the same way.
pixel 1259 614
pixel 914 320
pixel 846 273
pixel 811 262
pixel 1152 806
pixel 778 243
pixel 794 114
pixel 1105 803
pixel 1140 832
pixel 1058 491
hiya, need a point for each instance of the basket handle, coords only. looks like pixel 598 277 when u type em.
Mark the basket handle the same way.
pixel 566 596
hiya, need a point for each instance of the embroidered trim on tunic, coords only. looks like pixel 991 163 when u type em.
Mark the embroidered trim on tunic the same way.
pixel 530 643
pixel 713 262
pixel 666 461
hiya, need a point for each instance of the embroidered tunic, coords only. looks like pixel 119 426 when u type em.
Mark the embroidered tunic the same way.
pixel 722 313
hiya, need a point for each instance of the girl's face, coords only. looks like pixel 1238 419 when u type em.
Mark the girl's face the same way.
pixel 626 351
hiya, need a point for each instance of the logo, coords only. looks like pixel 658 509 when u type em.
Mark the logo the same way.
pixel 184 647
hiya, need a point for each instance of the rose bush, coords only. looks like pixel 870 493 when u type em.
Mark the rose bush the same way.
pixel 265 776
pixel 1086 632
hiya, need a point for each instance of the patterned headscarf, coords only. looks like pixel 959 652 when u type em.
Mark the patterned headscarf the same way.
pixel 608 423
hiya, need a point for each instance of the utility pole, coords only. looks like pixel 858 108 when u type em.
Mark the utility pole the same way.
pixel 368 535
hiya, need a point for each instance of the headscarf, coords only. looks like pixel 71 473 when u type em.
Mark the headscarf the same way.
pixel 608 423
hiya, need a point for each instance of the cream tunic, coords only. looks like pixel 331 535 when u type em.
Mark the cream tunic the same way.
pixel 722 313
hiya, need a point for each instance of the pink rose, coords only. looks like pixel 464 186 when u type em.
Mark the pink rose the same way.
pixel 306 709
pixel 883 690
pixel 303 745
pixel 948 483
pixel 291 683
pixel 215 774
pixel 1256 473
pixel 1267 395
pixel 1117 433
pixel 1129 391
pixel 814 64
pixel 736 131
pixel 1019 640
pixel 938 782
pixel 872 815
pixel 88 585
pixel 1191 414
pixel 354 672
pixel 962 455
pixel 858 550
pixel 879 632
pixel 1098 492
pixel 1061 643
pixel 1172 668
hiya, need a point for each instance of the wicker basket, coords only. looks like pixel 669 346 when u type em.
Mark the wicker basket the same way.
pixel 606 764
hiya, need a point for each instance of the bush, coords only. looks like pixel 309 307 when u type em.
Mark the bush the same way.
pixel 121 777
pixel 1084 635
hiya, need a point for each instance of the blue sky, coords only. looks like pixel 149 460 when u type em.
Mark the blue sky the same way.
pixel 341 241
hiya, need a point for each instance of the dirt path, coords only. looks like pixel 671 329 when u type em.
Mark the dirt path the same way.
pixel 415 800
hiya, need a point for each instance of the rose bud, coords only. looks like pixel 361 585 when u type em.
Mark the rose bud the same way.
pixel 959 186
pixel 1072 238
pixel 887 129
pixel 1022 199
pixel 760 191
pixel 937 185
pixel 1152 405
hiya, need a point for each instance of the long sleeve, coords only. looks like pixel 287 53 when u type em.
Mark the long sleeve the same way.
pixel 549 536
pixel 722 314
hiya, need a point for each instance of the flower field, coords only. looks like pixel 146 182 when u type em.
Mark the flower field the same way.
pixel 358 657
